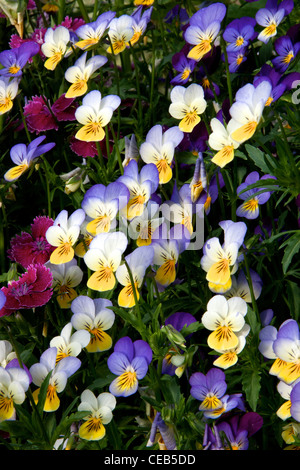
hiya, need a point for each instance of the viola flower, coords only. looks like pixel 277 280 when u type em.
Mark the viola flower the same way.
pixel 187 104
pixel 284 411
pixel 195 141
pixel 240 286
pixel 60 373
pixel 79 74
pixel 238 429
pixel 131 150
pixel 236 58
pixel 166 254
pixel 91 33
pixel 140 22
pixel 14 60
pixel 247 110
pixel 66 276
pixel 210 88
pixel 224 318
pixel 42 116
pixel 32 248
pixel 252 198
pixel 102 204
pixel 238 33
pixel 95 113
pixel 99 413
pixel 33 289
pixel 24 156
pixel 220 262
pixel 271 16
pixel 184 66
pixel 63 235
pixel 208 389
pixel 279 83
pixel 220 139
pixel 166 439
pixel 287 52
pixel 180 208
pixel 68 344
pixel 159 148
pixel 55 46
pixel 8 91
pixel 295 402
pixel 85 239
pixel 141 185
pixel 138 261
pixel 199 180
pixel 14 382
pixel 203 29
pixel 129 361
pixel 142 227
pixel 120 33
pixel 95 316
pixel 287 348
pixel 104 257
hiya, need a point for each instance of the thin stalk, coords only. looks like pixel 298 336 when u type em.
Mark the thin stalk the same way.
pixel 83 11
pixel 227 72
pixel 117 149
pixel 101 161
pixel 254 304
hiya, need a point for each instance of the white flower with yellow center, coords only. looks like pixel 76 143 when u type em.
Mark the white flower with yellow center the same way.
pixel 142 227
pixel 137 261
pixel 221 140
pixel 55 46
pixel 247 110
pixel 14 382
pixel 187 105
pixel 220 262
pixel 66 276
pixel 225 318
pixel 159 148
pixel 95 316
pixel 120 33
pixel 63 234
pixel 80 73
pixel 8 91
pixel 99 412
pixel 95 113
pixel 60 372
pixel 104 257
pixel 68 344
pixel 91 33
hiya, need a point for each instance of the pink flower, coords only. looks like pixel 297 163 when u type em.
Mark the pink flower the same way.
pixel 72 23
pixel 32 289
pixel 33 248
pixel 41 117
pixel 83 149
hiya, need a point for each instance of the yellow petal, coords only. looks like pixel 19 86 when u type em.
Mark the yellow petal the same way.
pixel 166 273
pixel 92 132
pixel 52 62
pixel 117 47
pixel 224 156
pixel 92 430
pixel 15 172
pixel 244 132
pixel 277 366
pixel 62 254
pixel 290 372
pixel 222 338
pixel 78 88
pixel 189 121
pixel 84 43
pixel 220 288
pixel 5 105
pixel 200 50
pixel 52 401
pixel 65 296
pixel 210 403
pixel 6 408
pixel 100 341
pixel 219 272
pixel 165 171
pixel 99 225
pixel 226 360
pixel 126 296
pixel 284 412
pixel 135 207
pixel 102 280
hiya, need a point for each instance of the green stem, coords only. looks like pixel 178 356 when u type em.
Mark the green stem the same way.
pixel 254 305
pixel 117 149
pixel 101 161
pixel 227 72
pixel 83 11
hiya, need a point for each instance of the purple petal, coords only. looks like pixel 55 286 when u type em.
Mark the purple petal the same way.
pixel 117 363
pixel 125 346
pixel 142 349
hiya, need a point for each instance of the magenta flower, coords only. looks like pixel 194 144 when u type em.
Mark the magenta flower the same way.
pixel 33 289
pixel 40 116
pixel 33 248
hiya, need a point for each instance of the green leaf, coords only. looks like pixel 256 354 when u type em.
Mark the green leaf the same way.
pixel 251 386
pixel 292 246
pixel 261 160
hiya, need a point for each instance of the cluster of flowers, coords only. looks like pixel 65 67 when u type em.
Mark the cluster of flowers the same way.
pixel 133 200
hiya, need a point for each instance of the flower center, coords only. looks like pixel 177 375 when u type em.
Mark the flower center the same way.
pixel 127 380
pixel 239 41
pixel 251 205
pixel 14 69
